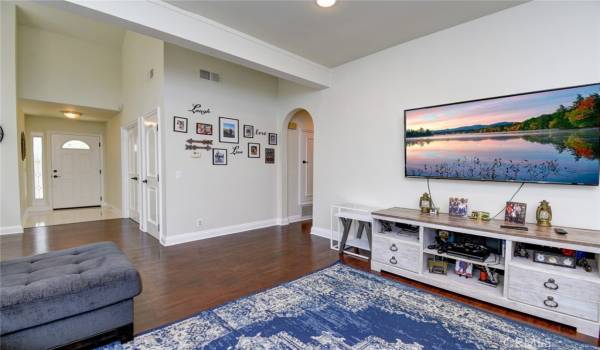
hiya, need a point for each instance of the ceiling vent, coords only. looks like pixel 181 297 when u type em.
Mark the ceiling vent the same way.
pixel 206 75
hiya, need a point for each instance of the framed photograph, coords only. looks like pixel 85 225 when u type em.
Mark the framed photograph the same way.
pixel 515 213
pixel 249 131
pixel 203 129
pixel 458 206
pixel 253 150
pixel 229 130
pixel 180 124
pixel 269 155
pixel 219 156
pixel 272 139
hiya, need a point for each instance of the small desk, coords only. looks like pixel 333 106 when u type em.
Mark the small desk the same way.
pixel 342 218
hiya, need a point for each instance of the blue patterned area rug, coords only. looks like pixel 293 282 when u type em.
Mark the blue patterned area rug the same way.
pixel 340 307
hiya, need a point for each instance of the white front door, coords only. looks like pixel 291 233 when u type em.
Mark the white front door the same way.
pixel 306 167
pixel 133 176
pixel 76 173
pixel 150 175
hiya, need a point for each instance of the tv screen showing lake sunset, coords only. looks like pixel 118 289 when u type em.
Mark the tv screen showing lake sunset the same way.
pixel 549 136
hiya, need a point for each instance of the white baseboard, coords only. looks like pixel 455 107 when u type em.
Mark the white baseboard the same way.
pixel 298 218
pixel 11 230
pixel 282 221
pixel 321 232
pixel 216 232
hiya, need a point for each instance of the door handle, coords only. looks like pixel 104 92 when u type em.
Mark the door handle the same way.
pixel 145 181
pixel 55 176
pixel 134 178
pixel 304 162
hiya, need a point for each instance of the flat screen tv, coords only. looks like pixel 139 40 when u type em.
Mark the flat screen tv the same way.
pixel 550 136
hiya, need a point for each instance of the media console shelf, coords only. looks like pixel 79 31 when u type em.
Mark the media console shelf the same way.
pixel 561 294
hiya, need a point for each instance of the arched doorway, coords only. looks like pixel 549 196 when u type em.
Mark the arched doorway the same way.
pixel 298 169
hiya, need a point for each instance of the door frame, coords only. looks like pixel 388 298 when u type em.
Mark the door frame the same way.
pixel 50 150
pixel 302 137
pixel 125 167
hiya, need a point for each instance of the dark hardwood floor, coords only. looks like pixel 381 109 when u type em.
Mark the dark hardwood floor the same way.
pixel 181 280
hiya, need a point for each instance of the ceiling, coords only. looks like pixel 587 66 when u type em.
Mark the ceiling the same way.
pixel 70 24
pixel 345 32
pixel 54 110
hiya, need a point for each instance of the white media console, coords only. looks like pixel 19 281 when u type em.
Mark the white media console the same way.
pixel 565 295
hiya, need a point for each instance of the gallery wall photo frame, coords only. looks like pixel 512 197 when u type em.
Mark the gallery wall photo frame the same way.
pixel 249 131
pixel 272 139
pixel 219 156
pixel 204 129
pixel 229 130
pixel 270 155
pixel 253 150
pixel 180 124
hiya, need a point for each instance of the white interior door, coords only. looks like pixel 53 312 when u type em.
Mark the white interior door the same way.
pixel 76 173
pixel 150 176
pixel 133 174
pixel 306 167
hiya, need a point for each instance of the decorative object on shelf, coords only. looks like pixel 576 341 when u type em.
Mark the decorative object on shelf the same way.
pixel 520 250
pixel 180 124
pixel 554 258
pixel 463 268
pixel 236 150
pixel 434 210
pixel 543 214
pixel 204 142
pixel 560 231
pixel 1 134
pixel 515 212
pixel 23 146
pixel 292 126
pixel 437 265
pixel 229 130
pixel 219 156
pixel 488 277
pixel 458 206
pixel 197 108
pixel 480 215
pixel 272 139
pixel 253 150
pixel 585 263
pixel 425 203
pixel 269 155
pixel 204 129
pixel 249 131
pixel 195 147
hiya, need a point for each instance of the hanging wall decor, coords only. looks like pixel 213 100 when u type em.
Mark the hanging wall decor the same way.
pixel 229 130
pixel 260 132
pixel 180 124
pixel 269 155
pixel 236 150
pixel 248 131
pixel 272 139
pixel 219 156
pixel 204 142
pixel 253 150
pixel 204 129
pixel 196 147
pixel 197 108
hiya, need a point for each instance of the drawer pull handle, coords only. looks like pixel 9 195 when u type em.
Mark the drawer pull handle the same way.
pixel 551 284
pixel 393 260
pixel 550 302
pixel 393 248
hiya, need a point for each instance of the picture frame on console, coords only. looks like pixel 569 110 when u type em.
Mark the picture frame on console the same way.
pixel 515 213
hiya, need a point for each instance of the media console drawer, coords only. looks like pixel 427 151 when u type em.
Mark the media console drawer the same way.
pixel 396 253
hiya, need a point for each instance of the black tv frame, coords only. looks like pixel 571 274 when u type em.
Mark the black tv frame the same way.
pixel 487 180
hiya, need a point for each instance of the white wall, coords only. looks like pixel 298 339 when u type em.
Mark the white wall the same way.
pixel 358 122
pixel 63 69
pixel 241 193
pixel 303 122
pixel 10 208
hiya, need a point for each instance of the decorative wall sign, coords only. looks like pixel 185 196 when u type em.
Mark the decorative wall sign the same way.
pixel 219 156
pixel 204 129
pixel 180 124
pixel 229 130
pixel 236 150
pixel 197 108
pixel 272 139
pixel 204 142
pixel 260 132
pixel 269 155
pixel 253 150
pixel 248 131
pixel 196 147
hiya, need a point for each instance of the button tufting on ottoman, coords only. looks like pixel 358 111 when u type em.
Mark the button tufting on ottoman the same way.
pixel 63 289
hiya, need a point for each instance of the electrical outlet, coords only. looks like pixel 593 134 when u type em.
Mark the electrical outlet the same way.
pixel 198 222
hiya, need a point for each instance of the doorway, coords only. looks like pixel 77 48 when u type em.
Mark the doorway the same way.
pixel 300 166
pixel 76 173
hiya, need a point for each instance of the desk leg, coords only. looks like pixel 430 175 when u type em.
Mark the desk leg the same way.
pixel 347 223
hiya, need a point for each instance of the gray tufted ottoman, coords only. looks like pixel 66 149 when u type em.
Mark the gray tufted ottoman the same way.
pixel 64 297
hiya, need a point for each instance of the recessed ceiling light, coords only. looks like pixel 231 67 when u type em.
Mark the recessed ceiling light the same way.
pixel 326 3
pixel 72 115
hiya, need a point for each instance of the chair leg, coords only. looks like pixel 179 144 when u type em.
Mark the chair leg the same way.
pixel 125 333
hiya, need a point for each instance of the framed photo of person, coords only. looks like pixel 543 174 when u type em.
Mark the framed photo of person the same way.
pixel 180 124
pixel 272 139
pixel 204 129
pixel 515 213
pixel 229 130
pixel 249 131
pixel 253 150
pixel 219 156
pixel 269 155
pixel 458 206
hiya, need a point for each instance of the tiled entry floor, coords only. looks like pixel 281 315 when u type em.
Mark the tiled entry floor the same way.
pixel 69 216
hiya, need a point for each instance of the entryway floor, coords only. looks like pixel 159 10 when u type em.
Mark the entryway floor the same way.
pixel 69 216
